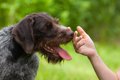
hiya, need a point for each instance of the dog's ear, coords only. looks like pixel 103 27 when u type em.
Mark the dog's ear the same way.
pixel 23 34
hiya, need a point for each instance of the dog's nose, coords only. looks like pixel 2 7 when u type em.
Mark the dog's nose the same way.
pixel 69 32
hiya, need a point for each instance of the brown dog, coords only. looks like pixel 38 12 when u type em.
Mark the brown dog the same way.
pixel 36 32
pixel 40 32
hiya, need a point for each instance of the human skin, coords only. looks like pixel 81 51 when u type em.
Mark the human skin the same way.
pixel 84 45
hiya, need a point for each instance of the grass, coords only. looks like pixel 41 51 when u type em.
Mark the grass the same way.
pixel 79 68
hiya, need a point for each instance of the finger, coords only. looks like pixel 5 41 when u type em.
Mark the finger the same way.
pixel 79 44
pixel 81 31
pixel 80 50
pixel 74 44
pixel 78 38
pixel 76 50
pixel 75 36
pixel 76 33
pixel 68 28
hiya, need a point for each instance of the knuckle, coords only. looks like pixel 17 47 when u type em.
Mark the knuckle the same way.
pixel 80 49
pixel 77 46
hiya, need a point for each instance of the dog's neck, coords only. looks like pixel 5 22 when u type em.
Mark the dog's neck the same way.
pixel 17 51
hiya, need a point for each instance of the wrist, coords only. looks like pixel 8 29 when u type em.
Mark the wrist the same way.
pixel 93 55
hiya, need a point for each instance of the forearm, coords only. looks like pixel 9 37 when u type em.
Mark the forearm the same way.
pixel 102 71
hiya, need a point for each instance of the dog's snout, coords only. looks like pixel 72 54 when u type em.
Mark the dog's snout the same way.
pixel 67 30
pixel 70 32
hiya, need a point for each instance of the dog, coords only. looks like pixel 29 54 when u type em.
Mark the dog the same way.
pixel 37 32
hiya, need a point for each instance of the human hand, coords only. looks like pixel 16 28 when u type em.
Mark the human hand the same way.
pixel 83 44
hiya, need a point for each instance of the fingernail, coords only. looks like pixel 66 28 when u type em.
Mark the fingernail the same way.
pixel 69 28
pixel 78 26
pixel 76 32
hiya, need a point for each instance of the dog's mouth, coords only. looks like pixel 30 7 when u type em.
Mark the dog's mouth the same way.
pixel 58 51
pixel 63 53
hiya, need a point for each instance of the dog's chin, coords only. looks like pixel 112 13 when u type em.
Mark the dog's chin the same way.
pixel 54 53
pixel 54 59
pixel 51 57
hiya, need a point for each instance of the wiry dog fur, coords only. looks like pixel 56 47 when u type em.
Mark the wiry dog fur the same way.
pixel 18 43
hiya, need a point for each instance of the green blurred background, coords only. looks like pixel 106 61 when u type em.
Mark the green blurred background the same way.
pixel 99 18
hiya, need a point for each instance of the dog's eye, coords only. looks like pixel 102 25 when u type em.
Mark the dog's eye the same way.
pixel 49 26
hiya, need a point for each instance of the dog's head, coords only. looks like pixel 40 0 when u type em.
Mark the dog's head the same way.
pixel 41 32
